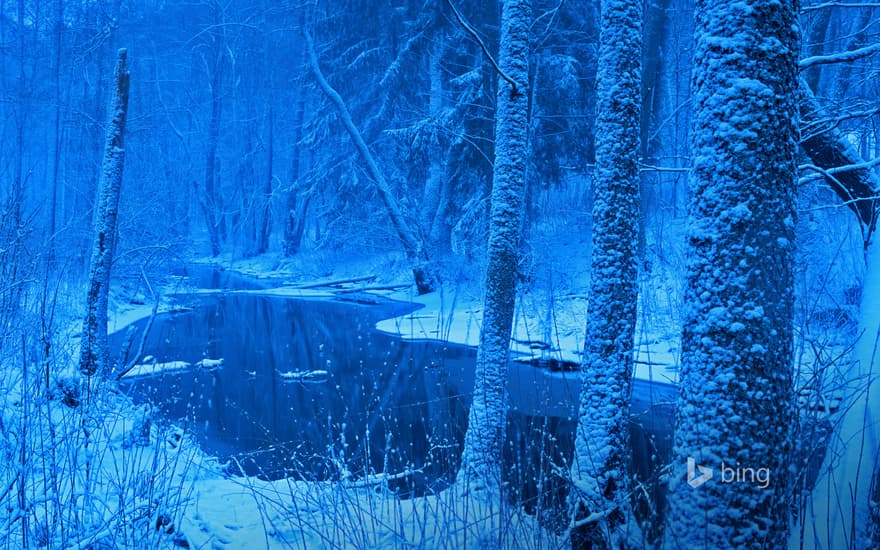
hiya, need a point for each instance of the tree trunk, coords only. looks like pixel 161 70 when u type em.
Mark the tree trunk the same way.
pixel 481 457
pixel 297 205
pixel 434 184
pixel 266 217
pixel 209 205
pixel 56 159
pixel 815 45
pixel 412 245
pixel 297 202
pixel 94 351
pixel 656 23
pixel 602 460
pixel 20 121
pixel 735 408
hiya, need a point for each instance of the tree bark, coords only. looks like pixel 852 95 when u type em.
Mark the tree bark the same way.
pixel 94 350
pixel 815 45
pixel 602 460
pixel 20 121
pixel 874 541
pixel 735 408
pixel 482 455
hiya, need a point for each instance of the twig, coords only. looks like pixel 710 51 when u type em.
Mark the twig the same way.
pixel 482 44
pixel 134 359
pixel 857 5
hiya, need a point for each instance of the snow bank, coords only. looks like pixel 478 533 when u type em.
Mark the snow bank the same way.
pixel 557 334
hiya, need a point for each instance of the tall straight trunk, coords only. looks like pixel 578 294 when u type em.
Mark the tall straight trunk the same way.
pixel 210 202
pixel 20 121
pixel 482 455
pixel 266 215
pixel 413 247
pixel 730 484
pixel 653 94
pixel 602 460
pixel 56 150
pixel 94 350
pixel 874 503
pixel 815 45
pixel 434 184
pixel 297 205
pixel 297 202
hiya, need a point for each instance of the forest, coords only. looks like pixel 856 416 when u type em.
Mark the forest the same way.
pixel 439 274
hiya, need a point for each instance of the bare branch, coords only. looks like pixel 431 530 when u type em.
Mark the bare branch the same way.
pixel 482 44
pixel 841 57
pixel 826 5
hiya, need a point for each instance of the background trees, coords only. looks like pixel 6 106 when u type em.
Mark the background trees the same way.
pixel 241 152
pixel 228 113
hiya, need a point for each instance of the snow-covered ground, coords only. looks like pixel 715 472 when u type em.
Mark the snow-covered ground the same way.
pixel 554 334
pixel 170 483
pixel 240 512
pixel 230 512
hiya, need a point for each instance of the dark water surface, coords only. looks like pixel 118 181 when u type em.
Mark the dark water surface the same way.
pixel 384 405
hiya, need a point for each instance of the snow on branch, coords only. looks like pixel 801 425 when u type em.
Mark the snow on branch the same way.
pixel 827 5
pixel 473 33
pixel 841 57
pixel 849 176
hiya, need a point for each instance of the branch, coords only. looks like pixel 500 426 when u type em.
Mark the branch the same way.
pixel 841 57
pixel 140 351
pixel 807 9
pixel 846 168
pixel 825 125
pixel 851 178
pixel 476 37
pixel 412 248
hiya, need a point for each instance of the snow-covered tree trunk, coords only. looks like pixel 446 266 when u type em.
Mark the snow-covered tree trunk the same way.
pixel 413 246
pixel 266 214
pixel 735 408
pixel 600 470
pixel 297 205
pixel 481 458
pixel 431 207
pixel 94 350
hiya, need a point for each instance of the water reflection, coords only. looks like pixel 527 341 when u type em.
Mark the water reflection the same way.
pixel 384 405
